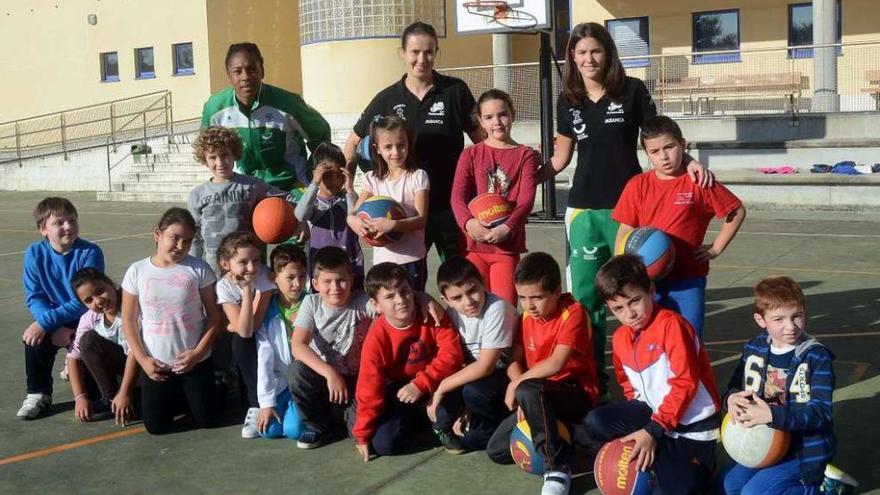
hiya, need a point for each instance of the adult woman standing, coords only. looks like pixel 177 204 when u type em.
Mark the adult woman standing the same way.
pixel 438 110
pixel 600 110
pixel 275 125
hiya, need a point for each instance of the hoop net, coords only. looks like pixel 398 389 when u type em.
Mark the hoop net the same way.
pixel 501 13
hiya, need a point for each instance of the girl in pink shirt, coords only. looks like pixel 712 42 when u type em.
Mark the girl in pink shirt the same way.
pixel 498 165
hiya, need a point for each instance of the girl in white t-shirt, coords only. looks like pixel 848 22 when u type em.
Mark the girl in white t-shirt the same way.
pixel 395 174
pixel 170 319
pixel 244 292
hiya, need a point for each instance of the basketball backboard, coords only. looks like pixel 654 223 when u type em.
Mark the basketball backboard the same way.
pixel 489 16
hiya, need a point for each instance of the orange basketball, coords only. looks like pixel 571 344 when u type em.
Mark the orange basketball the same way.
pixel 490 209
pixel 273 220
pixel 757 447
pixel 617 474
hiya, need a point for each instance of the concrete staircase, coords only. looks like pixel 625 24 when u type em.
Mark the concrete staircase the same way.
pixel 167 175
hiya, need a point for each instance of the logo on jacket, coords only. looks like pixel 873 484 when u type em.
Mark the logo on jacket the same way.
pixel 418 353
pixel 614 108
pixel 588 254
pixel 800 384
pixel 400 109
pixel 437 109
pixel 578 125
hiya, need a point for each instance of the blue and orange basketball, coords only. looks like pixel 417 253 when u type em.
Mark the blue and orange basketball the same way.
pixel 273 220
pixel 617 474
pixel 523 450
pixel 654 247
pixel 490 209
pixel 378 207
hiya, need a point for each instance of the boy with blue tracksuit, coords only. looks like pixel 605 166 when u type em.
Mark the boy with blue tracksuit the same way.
pixel 785 380
pixel 49 265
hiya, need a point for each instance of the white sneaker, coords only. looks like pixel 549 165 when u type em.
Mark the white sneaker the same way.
pixel 63 374
pixel 556 483
pixel 249 429
pixel 33 405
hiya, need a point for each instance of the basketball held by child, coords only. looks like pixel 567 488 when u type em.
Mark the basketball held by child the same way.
pixel 654 247
pixel 273 220
pixel 757 447
pixel 381 207
pixel 616 472
pixel 523 450
pixel 490 209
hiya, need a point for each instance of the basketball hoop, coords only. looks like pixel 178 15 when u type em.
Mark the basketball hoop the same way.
pixel 501 13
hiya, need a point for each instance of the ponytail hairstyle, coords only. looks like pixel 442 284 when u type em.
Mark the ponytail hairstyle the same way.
pixel 232 242
pixel 176 215
pixel 614 75
pixel 390 123
pixel 419 28
pixel 89 275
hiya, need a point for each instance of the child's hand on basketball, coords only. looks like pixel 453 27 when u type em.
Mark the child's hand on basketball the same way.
pixel 364 451
pixel 358 225
pixel 497 234
pixel 476 230
pixel 409 394
pixel 643 450
pixel 736 404
pixel 265 417
pixel 756 413
pixel 706 252
pixel 381 225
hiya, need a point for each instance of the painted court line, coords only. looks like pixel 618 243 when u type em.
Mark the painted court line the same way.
pixel 13 253
pixel 81 213
pixel 72 445
pixel 790 269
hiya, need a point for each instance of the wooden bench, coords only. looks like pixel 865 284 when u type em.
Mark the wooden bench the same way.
pixel 872 78
pixel 697 90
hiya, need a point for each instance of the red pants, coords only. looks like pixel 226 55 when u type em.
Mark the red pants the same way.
pixel 497 271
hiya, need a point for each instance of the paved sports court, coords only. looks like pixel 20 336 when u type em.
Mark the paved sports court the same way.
pixel 833 255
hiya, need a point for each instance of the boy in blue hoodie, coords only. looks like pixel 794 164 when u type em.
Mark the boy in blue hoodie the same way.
pixel 785 380
pixel 49 265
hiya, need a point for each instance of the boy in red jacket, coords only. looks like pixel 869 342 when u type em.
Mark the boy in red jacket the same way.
pixel 672 407
pixel 402 362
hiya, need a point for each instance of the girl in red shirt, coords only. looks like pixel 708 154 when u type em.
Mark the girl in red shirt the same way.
pixel 498 165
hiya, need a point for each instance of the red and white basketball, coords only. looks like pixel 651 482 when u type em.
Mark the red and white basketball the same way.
pixel 616 472
pixel 490 209
pixel 757 447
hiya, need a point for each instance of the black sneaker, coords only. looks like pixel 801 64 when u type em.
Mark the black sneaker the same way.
pixel 309 439
pixel 101 410
pixel 451 442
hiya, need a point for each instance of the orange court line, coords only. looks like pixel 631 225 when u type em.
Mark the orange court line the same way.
pixel 72 445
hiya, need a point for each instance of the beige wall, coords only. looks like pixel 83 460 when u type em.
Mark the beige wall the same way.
pixel 272 24
pixel 341 77
pixel 50 54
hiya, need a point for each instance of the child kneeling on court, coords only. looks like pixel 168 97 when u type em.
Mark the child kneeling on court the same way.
pixel 552 371
pixel 667 199
pixel 403 360
pixel 472 398
pixel 672 407
pixel 101 347
pixel 278 415
pixel 785 380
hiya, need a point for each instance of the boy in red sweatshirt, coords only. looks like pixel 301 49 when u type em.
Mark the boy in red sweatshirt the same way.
pixel 402 362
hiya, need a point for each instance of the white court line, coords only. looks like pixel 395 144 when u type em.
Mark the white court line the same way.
pixel 742 232
pixel 81 213
pixel 96 241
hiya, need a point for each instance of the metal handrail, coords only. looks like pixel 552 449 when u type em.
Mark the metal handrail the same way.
pixel 160 106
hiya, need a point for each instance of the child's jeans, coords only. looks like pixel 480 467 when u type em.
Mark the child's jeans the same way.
pixel 417 274
pixel 484 398
pixel 783 478
pixel 543 403
pixel 105 361
pixel 682 465
pixel 309 391
pixel 291 425
pixel 686 297
pixel 398 423
pixel 160 399
pixel 38 362
pixel 497 271
pixel 244 351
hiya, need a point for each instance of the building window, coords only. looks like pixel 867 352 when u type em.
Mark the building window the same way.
pixel 716 31
pixel 143 63
pixel 109 66
pixel 320 20
pixel 631 37
pixel 800 29
pixel 183 59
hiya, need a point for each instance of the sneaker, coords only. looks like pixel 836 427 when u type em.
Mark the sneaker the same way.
pixel 837 482
pixel 451 442
pixel 556 483
pixel 63 374
pixel 101 410
pixel 309 439
pixel 249 429
pixel 34 405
